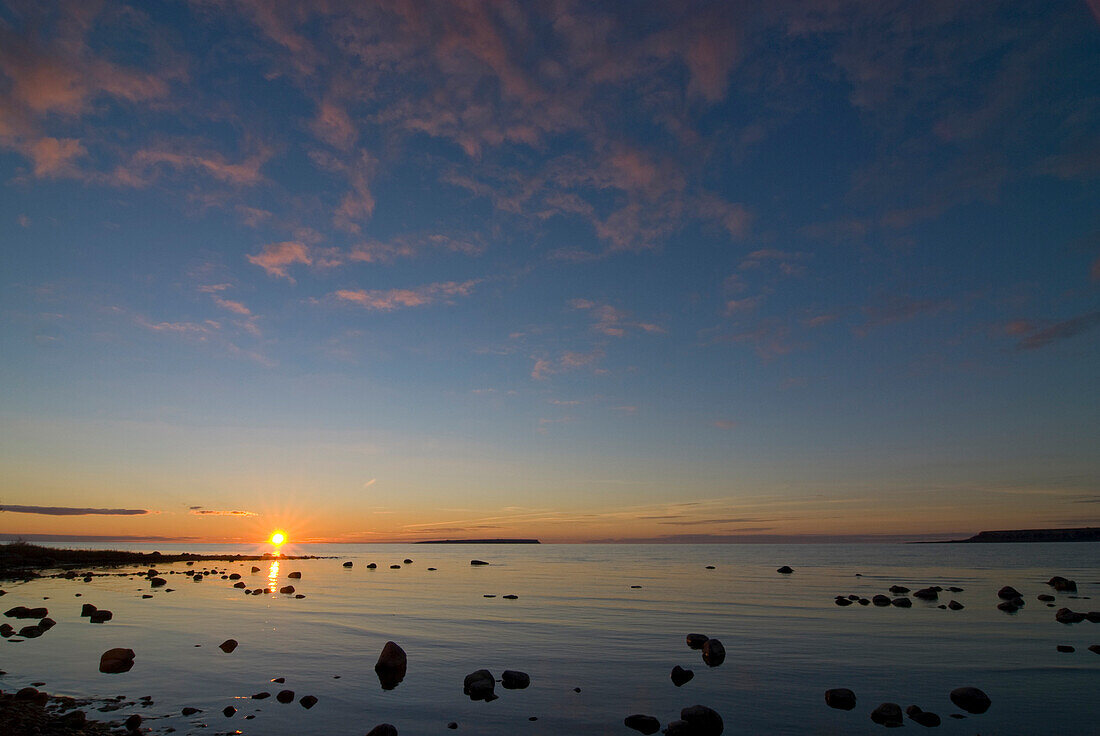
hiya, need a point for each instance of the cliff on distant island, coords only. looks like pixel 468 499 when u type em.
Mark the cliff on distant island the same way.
pixel 480 541
pixel 1080 534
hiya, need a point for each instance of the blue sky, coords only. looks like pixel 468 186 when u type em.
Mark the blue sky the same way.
pixel 398 270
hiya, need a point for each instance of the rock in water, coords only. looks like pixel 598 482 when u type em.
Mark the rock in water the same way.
pixel 970 699
pixel 1066 616
pixel 680 676
pixel 642 724
pixel 308 701
pixel 478 562
pixel 295 575
pixel 1007 593
pixel 696 641
pixel 714 653
pixel 132 723
pixel 348 563
pixel 922 717
pixel 287 589
pixel 391 665
pixel 228 711
pixel 899 589
pixel 887 714
pixel 382 729
pixel 480 685
pixel 1062 584
pixel 116 661
pixel 87 609
pixel 514 680
pixel 285 696
pixel 785 570
pixel 702 720
pixel 158 582
pixel 880 600
pixel 228 645
pixel 254 568
pixel 902 603
pixel 100 616
pixel 926 594
pixel 840 698
pixel 954 605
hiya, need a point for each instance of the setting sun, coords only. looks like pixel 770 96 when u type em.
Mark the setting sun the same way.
pixel 278 538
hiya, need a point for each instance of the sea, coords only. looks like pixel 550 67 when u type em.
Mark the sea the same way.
pixel 597 628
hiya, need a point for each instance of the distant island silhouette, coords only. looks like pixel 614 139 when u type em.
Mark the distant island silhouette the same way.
pixel 480 541
pixel 1079 534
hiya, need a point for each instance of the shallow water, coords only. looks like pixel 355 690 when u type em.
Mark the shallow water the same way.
pixel 578 623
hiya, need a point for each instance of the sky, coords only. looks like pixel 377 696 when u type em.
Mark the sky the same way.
pixel 578 271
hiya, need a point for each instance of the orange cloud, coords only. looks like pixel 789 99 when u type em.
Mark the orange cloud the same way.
pixel 233 306
pixel 276 257
pixel 54 157
pixel 333 126
pixel 387 300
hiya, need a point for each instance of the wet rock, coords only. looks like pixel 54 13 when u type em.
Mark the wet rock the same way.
pixel 6 630
pixel 702 720
pixel 189 711
pixel 1007 593
pixel 480 685
pixel 926 594
pixel 117 660
pixel 1062 585
pixel 887 714
pixel 680 676
pixel 87 609
pixel 299 596
pixel 235 576
pixel 902 603
pixel 642 723
pixel 279 680
pixel 714 653
pixel 677 728
pixel 348 563
pixel 1093 617
pixel 295 575
pixel 842 601
pixel 132 723
pixel 158 582
pixel 696 641
pixel 1094 648
pixel 261 695
pixel 431 569
pixel 31 632
pixel 955 589
pixel 863 602
pixel 254 568
pixel 478 562
pixel 880 600
pixel 711 567
pixel 970 699
pixel 1008 607
pixel 899 589
pixel 287 589
pixel 452 725
pixel 382 729
pixel 228 645
pixel 308 701
pixel 407 561
pixel 239 584
pixel 514 680
pixel 285 696
pixel 391 665
pixel 1066 616
pixel 1065 648
pixel 372 566
pixel 100 616
pixel 922 717
pixel 785 570
pixel 840 698
pixel 24 612
pixel 395 567
pixel 954 605
pixel 510 597
pixel 46 624
pixel 228 711
pixel 1045 597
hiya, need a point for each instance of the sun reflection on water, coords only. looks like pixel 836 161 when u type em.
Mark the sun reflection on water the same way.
pixel 273 577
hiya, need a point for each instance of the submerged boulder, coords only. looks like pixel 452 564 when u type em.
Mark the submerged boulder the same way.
pixel 970 699
pixel 785 570
pixel 702 720
pixel 117 660
pixel 391 665
pixel 696 641
pixel 642 723
pixel 1062 585
pixel 887 714
pixel 514 680
pixel 840 698
pixel 680 676
pixel 480 685
pixel 714 653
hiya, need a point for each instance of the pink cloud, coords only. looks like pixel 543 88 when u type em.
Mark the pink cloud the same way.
pixel 611 321
pixel 387 300
pixel 333 126
pixel 723 424
pixel 212 512
pixel 215 165
pixel 55 157
pixel 233 306
pixel 276 257
pixel 740 306
pixel 568 361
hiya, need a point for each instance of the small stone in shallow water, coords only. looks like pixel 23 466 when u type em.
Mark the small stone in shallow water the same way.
pixel 680 676
pixel 348 564
pixel 372 566
pixel 703 721
pixel 510 597
pixel 887 714
pixel 642 723
pixel 279 679
pixel 785 570
pixel 480 685
pixel 714 653
pixel 228 711
pixel 899 589
pixel 383 729
pixel 295 575
pixel 308 701
pixel 1065 648
pixel 970 699
pixel 710 567
pixel 955 605
pixel 840 698
pixel 288 590
pixel 189 711
pixel 132 723
pixel 261 695
pixel 922 717
pixel 285 696
pixel 514 680
pixel 902 603
pixel 452 725
pixel 116 661
pixel 228 645
pixel 880 600
pixel 696 641
pixel 408 561
pixel 478 562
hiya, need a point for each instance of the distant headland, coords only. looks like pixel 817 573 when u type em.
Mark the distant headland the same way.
pixel 480 541
pixel 1080 534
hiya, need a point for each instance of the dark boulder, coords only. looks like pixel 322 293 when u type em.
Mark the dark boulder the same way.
pixel 955 605
pixel 887 714
pixel 478 562
pixel 714 653
pixel 295 575
pixel 46 624
pixel 407 561
pixel 133 723
pixel 642 724
pixel 87 609
pixel 1062 585
pixel 840 698
pixel 922 717
pixel 372 566
pixel 880 600
pixel 287 589
pixel 785 570
pixel 1066 616
pixel 1094 648
pixel 228 645
pixel 391 665
pixel 229 711
pixel 1065 648
pixel 902 603
pixel 285 696
pixel 189 711
pixel 970 699
pixel 1045 597
pixel 926 594
pixel 308 701
pixel 680 676
pixel 382 729
pixel 842 601
pixel 1008 606
pixel 480 685
pixel 348 563
pixel 261 695
pixel 514 680
pixel 100 616
pixel 696 641
pixel 160 582
pixel 31 632
pixel 254 568
pixel 115 661
pixel 702 720
pixel 1007 593
pixel 899 589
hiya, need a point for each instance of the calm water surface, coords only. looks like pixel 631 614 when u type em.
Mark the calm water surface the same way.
pixel 578 623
